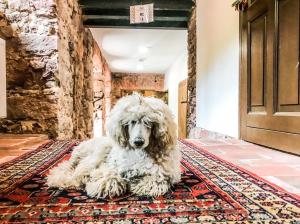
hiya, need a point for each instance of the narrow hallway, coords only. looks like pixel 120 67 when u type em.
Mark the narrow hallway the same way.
pixel 156 111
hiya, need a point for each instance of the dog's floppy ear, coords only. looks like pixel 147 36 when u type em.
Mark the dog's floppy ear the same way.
pixel 117 120
pixel 118 131
pixel 164 129
pixel 162 135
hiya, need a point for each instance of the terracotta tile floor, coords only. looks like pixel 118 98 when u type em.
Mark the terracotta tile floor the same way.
pixel 277 167
pixel 12 146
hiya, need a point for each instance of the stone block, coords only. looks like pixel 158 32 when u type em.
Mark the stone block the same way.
pixel 30 105
pixel 37 64
pixel 19 5
pixel 38 44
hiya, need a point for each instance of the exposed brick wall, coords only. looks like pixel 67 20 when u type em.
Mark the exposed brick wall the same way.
pixel 107 95
pixel 133 81
pixel 101 77
pixel 49 68
pixel 98 83
pixel 192 69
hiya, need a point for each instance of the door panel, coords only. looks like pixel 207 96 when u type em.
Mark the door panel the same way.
pixel 270 107
pixel 257 50
pixel 288 56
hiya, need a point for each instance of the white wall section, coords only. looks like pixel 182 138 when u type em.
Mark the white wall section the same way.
pixel 218 67
pixel 2 79
pixel 177 72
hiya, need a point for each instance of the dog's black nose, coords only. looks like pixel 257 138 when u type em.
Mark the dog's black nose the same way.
pixel 139 142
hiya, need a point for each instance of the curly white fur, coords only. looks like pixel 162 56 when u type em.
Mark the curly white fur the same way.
pixel 110 166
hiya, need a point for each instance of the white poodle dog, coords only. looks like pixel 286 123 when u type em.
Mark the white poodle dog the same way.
pixel 140 156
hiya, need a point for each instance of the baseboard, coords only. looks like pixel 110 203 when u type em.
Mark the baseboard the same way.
pixel 198 133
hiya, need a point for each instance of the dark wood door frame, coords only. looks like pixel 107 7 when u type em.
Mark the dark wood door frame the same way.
pixel 241 72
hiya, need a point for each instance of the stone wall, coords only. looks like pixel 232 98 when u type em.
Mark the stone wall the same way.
pixel 107 95
pixel 30 30
pixel 101 73
pixel 129 82
pixel 49 68
pixel 192 69
pixel 75 73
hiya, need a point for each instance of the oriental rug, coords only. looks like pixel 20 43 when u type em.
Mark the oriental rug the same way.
pixel 211 191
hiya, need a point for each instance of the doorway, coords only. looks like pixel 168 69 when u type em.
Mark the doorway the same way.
pixel 141 50
pixel 182 109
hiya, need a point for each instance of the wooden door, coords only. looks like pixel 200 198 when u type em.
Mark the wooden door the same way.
pixel 182 109
pixel 270 93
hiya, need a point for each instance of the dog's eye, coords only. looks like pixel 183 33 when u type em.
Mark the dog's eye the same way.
pixel 147 124
pixel 133 122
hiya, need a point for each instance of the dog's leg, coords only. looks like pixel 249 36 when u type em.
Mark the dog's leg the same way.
pixel 83 170
pixel 61 176
pixel 75 172
pixel 152 185
pixel 109 184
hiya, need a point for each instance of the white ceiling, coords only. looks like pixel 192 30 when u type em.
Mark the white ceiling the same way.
pixel 140 50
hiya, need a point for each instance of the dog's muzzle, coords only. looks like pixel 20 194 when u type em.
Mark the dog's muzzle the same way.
pixel 138 142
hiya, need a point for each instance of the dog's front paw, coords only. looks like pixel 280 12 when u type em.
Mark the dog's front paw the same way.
pixel 112 186
pixel 150 186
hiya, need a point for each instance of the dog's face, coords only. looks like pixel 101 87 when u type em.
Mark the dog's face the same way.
pixel 139 132
pixel 142 123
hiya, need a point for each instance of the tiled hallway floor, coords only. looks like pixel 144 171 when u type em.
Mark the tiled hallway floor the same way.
pixel 277 167
pixel 12 146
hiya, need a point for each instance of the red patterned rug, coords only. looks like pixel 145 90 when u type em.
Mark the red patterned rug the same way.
pixel 211 191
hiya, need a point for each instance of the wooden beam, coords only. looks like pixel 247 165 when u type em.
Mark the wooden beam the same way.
pixel 185 5
pixel 108 23
pixel 168 14
pixel 113 17
pixel 125 12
